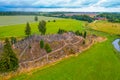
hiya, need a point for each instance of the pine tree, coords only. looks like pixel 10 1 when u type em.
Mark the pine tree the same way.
pixel 8 61
pixel 28 29
pixel 42 27
pixel 41 44
pixel 85 34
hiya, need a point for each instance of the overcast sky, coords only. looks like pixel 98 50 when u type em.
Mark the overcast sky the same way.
pixel 61 5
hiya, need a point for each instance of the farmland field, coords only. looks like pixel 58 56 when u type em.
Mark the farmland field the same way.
pixel 52 27
pixel 112 28
pixel 12 20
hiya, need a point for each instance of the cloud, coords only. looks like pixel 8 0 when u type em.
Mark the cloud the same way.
pixel 57 5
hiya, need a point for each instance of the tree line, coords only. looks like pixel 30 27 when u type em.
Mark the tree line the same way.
pixel 77 17
pixel 18 13
pixel 112 17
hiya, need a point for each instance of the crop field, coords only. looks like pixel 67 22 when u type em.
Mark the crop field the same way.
pixel 112 28
pixel 12 20
pixel 52 27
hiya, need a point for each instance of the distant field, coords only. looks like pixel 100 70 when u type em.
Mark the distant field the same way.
pixel 12 20
pixel 112 28
pixel 52 27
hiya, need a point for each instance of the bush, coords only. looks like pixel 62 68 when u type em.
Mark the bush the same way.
pixel 48 20
pixel 48 48
pixel 78 33
pixel 54 20
pixel 36 18
pixel 41 44
pixel 30 47
pixel 13 40
pixel 83 42
pixel 61 31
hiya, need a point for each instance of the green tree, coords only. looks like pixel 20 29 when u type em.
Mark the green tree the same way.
pixel 83 42
pixel 36 18
pixel 61 31
pixel 28 29
pixel 13 40
pixel 78 33
pixel 42 27
pixel 48 48
pixel 54 20
pixel 41 44
pixel 85 34
pixel 8 61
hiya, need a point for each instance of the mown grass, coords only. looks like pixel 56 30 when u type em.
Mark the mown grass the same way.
pixel 52 27
pixel 111 28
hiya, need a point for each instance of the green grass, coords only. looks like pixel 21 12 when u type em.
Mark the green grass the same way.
pixel 100 62
pixel 112 28
pixel 12 20
pixel 52 27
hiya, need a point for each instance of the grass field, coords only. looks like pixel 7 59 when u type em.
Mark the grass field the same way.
pixel 100 62
pixel 112 28
pixel 52 27
pixel 12 20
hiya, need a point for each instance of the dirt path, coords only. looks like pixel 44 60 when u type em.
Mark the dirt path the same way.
pixel 23 52
pixel 65 44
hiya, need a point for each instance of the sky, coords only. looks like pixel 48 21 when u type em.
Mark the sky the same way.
pixel 61 5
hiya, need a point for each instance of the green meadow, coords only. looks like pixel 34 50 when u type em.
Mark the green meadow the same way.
pixel 52 27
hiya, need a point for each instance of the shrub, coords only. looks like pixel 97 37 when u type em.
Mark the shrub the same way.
pixel 78 33
pixel 30 47
pixel 48 20
pixel 61 31
pixel 36 18
pixel 83 42
pixel 54 20
pixel 13 40
pixel 48 48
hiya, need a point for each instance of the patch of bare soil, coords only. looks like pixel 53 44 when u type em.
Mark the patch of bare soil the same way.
pixel 31 55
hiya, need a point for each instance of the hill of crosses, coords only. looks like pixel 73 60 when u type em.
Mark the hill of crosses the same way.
pixel 31 55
